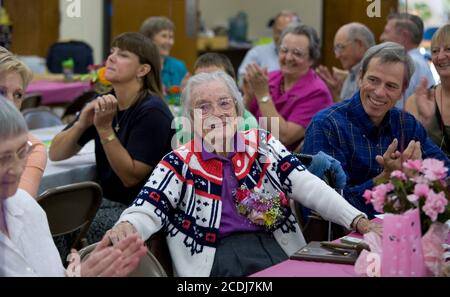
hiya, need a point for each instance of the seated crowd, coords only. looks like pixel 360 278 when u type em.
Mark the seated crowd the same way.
pixel 190 175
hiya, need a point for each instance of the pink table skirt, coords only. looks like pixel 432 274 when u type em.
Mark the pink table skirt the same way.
pixel 294 268
pixel 57 92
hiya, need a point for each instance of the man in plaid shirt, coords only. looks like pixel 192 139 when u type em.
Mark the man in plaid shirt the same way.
pixel 367 133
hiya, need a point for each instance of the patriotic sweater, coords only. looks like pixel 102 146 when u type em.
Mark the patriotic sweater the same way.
pixel 182 196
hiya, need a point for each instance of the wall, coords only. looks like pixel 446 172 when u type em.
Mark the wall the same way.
pixel 88 27
pixel 217 12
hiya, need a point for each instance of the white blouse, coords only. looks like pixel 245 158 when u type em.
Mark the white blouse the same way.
pixel 30 250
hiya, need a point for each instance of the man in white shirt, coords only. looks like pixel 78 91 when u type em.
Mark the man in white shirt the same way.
pixel 407 30
pixel 350 44
pixel 267 55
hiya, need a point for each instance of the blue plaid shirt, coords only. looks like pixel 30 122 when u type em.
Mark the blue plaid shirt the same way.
pixel 346 132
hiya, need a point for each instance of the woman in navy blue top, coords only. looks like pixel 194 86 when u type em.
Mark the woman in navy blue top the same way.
pixel 131 126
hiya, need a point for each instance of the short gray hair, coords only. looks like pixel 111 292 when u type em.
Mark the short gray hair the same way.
pixel 389 52
pixel 358 31
pixel 155 24
pixel 409 22
pixel 201 78
pixel 12 122
pixel 310 33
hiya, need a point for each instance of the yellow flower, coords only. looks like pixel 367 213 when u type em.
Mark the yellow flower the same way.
pixel 101 77
pixel 270 217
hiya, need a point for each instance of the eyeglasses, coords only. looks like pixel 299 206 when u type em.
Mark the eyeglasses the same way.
pixel 224 104
pixel 8 159
pixel 299 53
pixel 338 48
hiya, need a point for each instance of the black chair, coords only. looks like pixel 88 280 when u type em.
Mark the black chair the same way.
pixel 41 117
pixel 314 227
pixel 31 101
pixel 77 105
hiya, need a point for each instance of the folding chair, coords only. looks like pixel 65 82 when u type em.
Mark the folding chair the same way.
pixel 71 208
pixel 314 227
pixel 40 117
pixel 147 267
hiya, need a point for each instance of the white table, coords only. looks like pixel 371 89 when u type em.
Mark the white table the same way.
pixel 80 167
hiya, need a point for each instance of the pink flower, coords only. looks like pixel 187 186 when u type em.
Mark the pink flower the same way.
pixel 413 198
pixel 398 174
pixel 256 217
pixel 283 199
pixel 368 196
pixel 434 204
pixel 413 164
pixel 421 190
pixel 379 196
pixel 434 169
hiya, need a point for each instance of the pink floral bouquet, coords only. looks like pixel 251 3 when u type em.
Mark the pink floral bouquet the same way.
pixel 264 209
pixel 421 185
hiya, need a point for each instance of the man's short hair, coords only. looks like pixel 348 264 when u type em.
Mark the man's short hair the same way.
pixel 389 52
pixel 358 31
pixel 290 13
pixel 410 23
pixel 217 60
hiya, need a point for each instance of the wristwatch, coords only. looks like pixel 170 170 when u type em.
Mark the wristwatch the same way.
pixel 265 99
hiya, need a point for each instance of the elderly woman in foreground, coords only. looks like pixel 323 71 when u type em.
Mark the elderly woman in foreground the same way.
pixel 222 199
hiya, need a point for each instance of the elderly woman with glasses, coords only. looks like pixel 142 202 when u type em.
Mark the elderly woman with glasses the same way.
pixel 288 98
pixel 26 245
pixel 222 199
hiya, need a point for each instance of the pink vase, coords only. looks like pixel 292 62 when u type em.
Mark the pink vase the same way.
pixel 402 245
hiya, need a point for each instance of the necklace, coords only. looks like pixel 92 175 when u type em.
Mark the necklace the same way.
pixel 117 127
pixel 130 106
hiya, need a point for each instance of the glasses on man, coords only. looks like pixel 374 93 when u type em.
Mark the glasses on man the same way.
pixel 338 48
pixel 299 53
pixel 22 153
pixel 224 104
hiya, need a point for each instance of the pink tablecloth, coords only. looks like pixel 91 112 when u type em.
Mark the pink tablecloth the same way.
pixel 292 268
pixel 56 92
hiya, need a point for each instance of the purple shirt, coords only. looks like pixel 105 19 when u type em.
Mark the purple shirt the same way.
pixel 231 221
pixel 298 104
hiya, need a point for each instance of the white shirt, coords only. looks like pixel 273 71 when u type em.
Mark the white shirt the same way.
pixel 29 250
pixel 422 69
pixel 263 55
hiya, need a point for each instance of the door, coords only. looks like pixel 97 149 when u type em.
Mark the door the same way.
pixel 35 25
pixel 339 12
pixel 128 16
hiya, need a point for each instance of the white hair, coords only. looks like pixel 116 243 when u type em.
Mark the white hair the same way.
pixel 201 78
